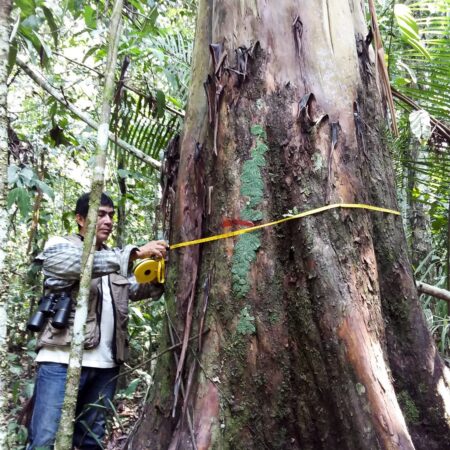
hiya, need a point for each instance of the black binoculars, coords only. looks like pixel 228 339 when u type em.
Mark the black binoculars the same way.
pixel 53 305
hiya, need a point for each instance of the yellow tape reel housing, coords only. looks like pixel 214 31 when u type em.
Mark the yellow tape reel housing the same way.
pixel 150 270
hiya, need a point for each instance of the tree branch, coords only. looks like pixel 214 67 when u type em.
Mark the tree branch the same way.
pixel 381 64
pixel 40 80
pixel 443 129
pixel 442 294
pixel 126 86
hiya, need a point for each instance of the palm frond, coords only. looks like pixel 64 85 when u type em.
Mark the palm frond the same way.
pixel 137 123
pixel 171 54
pixel 423 74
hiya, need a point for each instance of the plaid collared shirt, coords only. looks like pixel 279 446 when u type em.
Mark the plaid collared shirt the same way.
pixel 61 265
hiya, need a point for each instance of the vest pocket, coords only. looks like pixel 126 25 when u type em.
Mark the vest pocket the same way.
pixel 119 288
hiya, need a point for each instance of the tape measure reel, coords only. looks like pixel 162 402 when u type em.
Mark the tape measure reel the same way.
pixel 150 270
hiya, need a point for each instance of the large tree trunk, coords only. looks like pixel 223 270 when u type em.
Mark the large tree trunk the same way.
pixel 315 338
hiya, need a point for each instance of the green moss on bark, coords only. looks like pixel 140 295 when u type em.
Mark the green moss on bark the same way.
pixel 408 407
pixel 252 184
pixel 252 190
pixel 246 324
pixel 244 254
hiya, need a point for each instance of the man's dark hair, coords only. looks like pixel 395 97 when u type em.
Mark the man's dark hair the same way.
pixel 82 206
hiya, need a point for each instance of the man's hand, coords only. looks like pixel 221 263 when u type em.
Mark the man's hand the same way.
pixel 152 249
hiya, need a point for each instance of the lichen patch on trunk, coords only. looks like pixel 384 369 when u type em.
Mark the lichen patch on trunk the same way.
pixel 252 193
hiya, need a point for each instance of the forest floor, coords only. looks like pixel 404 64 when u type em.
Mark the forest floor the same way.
pixel 126 417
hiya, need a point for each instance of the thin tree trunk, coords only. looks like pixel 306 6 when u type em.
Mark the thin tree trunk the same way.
pixel 121 207
pixel 31 251
pixel 66 427
pixel 418 220
pixel 317 339
pixel 5 10
pixel 39 80
pixel 36 208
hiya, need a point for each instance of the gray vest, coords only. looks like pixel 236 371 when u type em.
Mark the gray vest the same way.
pixel 53 337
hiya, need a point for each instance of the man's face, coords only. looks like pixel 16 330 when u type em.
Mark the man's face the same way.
pixel 104 223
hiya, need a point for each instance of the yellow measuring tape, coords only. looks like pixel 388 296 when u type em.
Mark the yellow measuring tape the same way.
pixel 149 270
pixel 285 219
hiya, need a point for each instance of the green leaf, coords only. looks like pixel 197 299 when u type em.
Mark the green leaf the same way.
pixel 27 175
pixel 27 7
pixel 12 56
pixel 419 47
pixel 405 18
pixel 138 5
pixel 90 52
pixel 160 103
pixel 51 23
pixel 175 101
pixel 150 23
pixel 131 389
pixel 409 28
pixel 12 357
pixel 45 47
pixel 90 17
pixel 75 7
pixel 13 174
pixel 29 387
pixel 20 197
pixel 16 370
pixel 14 30
pixel 45 188
pixel 32 22
pixel 32 39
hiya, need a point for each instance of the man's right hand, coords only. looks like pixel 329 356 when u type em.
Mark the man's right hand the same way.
pixel 152 249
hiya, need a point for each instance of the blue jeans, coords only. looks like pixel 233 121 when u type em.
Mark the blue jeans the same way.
pixel 95 389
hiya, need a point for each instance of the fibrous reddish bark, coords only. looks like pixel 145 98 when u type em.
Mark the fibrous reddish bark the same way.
pixel 316 338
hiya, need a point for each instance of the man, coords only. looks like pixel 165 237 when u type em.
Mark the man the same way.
pixel 106 342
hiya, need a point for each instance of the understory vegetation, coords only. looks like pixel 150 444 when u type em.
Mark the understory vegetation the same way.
pixel 51 148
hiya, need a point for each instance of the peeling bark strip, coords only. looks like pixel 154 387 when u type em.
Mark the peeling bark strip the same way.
pixel 187 330
pixel 318 320
pixel 225 78
pixel 169 175
pixel 297 27
pixel 214 87
pixel 334 130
